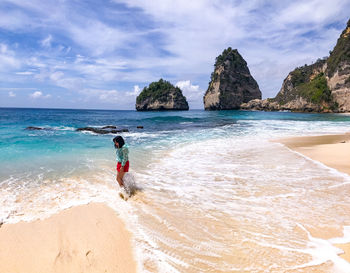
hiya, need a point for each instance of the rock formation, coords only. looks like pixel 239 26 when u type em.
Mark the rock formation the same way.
pixel 159 96
pixel 321 87
pixel 231 83
pixel 338 71
pixel 33 128
pixel 102 131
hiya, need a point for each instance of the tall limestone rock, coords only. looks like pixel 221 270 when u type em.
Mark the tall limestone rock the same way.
pixel 231 83
pixel 321 87
pixel 161 96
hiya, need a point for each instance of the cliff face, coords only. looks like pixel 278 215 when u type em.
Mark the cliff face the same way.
pixel 321 87
pixel 290 89
pixel 160 96
pixel 231 83
pixel 305 89
pixel 338 71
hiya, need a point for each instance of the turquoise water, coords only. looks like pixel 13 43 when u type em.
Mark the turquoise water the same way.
pixel 18 145
pixel 215 166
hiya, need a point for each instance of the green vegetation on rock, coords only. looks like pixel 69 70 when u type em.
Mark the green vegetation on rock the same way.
pixel 300 79
pixel 231 55
pixel 316 90
pixel 340 53
pixel 302 74
pixel 158 91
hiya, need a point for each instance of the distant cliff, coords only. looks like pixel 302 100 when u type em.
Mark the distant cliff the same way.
pixel 338 71
pixel 321 87
pixel 159 96
pixel 231 83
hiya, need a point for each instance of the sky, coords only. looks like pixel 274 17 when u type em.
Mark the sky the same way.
pixel 87 54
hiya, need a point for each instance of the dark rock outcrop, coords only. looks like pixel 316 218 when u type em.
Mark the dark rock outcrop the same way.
pixel 231 83
pixel 321 87
pixel 109 127
pixel 103 130
pixel 33 128
pixel 160 96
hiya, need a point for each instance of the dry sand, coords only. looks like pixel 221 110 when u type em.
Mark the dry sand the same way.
pixel 88 238
pixel 331 150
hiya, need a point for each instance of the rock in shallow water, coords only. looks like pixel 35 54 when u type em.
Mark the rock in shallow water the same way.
pixel 109 127
pixel 33 128
pixel 103 130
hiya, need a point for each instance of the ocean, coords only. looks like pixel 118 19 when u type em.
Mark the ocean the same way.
pixel 215 194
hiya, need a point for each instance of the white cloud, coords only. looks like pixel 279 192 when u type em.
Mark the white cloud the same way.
pixel 56 75
pixel 109 96
pixel 103 95
pixel 192 93
pixel 187 86
pixel 47 41
pixel 7 58
pixel 71 82
pixel 12 20
pixel 312 11
pixel 112 98
pixel 11 94
pixel 39 94
pixel 24 73
pixel 97 37
pixel 36 94
pixel 136 91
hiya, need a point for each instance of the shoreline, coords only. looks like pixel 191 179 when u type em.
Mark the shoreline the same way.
pixel 86 238
pixel 332 151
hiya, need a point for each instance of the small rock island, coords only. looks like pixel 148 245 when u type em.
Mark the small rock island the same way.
pixel 161 96
pixel 231 83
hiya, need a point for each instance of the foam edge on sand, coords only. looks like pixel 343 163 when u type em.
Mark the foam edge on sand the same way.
pixel 331 150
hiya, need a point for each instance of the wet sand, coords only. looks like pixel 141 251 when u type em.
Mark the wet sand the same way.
pixel 88 238
pixel 331 150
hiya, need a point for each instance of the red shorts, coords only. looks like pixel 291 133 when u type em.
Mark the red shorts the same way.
pixel 126 167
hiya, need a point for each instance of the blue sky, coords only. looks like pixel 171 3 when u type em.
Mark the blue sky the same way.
pixel 100 54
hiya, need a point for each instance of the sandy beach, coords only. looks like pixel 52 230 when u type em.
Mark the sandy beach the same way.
pixel 331 150
pixel 88 238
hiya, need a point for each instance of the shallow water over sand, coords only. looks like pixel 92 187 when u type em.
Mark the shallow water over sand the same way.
pixel 247 212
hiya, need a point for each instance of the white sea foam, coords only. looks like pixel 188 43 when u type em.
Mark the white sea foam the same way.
pixel 236 178
pixel 64 128
pixel 323 251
